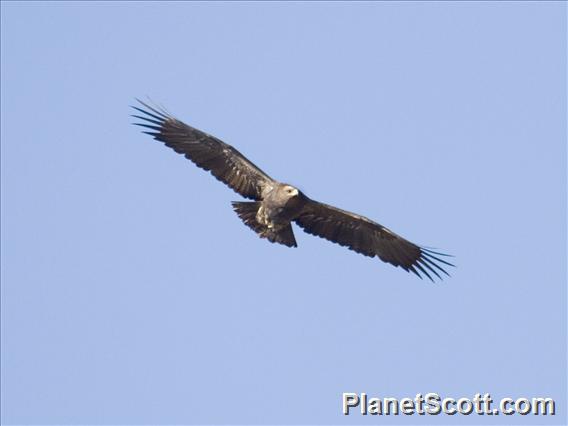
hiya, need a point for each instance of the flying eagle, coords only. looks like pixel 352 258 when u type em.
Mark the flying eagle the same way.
pixel 276 205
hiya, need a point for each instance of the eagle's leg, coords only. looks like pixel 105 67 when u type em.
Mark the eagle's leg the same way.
pixel 263 218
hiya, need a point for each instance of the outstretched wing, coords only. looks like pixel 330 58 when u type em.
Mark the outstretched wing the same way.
pixel 369 238
pixel 223 161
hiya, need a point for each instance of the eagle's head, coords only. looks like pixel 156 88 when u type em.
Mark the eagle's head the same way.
pixel 290 191
pixel 291 196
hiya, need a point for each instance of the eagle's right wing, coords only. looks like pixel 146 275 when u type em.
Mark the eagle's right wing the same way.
pixel 369 238
pixel 223 161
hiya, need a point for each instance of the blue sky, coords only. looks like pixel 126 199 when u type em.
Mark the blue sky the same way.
pixel 132 293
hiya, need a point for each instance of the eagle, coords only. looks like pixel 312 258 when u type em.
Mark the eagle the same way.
pixel 275 205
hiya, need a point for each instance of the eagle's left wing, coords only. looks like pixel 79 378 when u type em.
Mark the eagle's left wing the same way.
pixel 368 238
pixel 223 161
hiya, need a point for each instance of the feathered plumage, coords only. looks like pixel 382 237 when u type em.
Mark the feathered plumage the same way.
pixel 277 205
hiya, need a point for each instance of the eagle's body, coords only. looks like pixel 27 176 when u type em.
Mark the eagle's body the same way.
pixel 280 204
pixel 276 205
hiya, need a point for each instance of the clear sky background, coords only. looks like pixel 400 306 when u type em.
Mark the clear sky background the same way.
pixel 132 293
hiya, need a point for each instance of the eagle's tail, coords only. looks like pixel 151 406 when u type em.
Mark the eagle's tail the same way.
pixel 247 212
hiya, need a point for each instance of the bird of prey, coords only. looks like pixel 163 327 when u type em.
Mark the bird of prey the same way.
pixel 276 205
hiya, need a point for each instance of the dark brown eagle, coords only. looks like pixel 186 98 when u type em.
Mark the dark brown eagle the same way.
pixel 276 205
